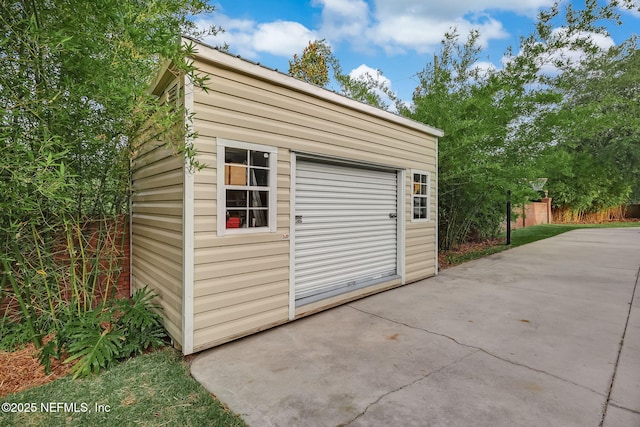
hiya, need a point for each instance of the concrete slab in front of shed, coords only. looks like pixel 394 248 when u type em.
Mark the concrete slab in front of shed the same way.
pixel 567 319
pixel 564 337
pixel 323 370
pixel 483 391
pixel 480 344
pixel 626 387
pixel 617 417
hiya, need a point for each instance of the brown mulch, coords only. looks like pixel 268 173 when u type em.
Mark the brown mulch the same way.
pixel 20 370
pixel 443 261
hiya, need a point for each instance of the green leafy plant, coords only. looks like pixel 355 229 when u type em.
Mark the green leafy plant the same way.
pixel 580 120
pixel 594 165
pixel 93 341
pixel 140 322
pixel 311 66
pixel 317 59
pixel 13 335
pixel 98 338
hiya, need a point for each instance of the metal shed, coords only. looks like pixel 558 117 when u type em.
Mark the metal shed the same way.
pixel 308 200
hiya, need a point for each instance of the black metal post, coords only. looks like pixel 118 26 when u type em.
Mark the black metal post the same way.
pixel 508 217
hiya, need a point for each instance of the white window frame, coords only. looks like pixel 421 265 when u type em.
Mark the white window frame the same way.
pixel 222 187
pixel 428 195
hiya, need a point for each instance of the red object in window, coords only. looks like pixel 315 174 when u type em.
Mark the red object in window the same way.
pixel 233 223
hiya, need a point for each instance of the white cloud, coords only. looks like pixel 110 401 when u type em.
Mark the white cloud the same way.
pixel 600 40
pixel 283 38
pixel 424 34
pixel 451 9
pixel 366 73
pixel 573 57
pixel 249 38
pixel 632 7
pixel 344 20
pixel 484 67
pixel 343 8
pixel 238 33
pixel 570 56
pixel 400 25
pixel 396 26
pixel 364 70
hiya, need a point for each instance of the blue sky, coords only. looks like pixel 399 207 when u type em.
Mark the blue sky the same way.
pixel 397 37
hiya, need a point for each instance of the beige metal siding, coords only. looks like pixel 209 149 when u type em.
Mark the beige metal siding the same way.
pixel 420 237
pixel 242 281
pixel 157 179
pixel 239 107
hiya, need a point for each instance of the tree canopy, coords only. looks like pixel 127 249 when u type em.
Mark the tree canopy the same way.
pixel 561 107
pixel 594 161
pixel 318 65
pixel 312 66
pixel 72 75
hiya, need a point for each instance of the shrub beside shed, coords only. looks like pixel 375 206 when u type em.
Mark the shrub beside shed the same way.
pixel 308 200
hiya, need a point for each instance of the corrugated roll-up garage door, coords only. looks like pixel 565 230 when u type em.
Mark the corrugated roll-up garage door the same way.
pixel 345 229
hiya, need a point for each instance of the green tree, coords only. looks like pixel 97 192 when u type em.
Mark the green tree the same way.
pixel 482 154
pixel 368 89
pixel 73 93
pixel 72 72
pixel 312 66
pixel 497 122
pixel 318 65
pixel 594 163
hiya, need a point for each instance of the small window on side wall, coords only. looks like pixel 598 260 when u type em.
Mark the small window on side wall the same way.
pixel 247 177
pixel 420 196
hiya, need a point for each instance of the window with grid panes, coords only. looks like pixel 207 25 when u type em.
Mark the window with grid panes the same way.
pixel 248 190
pixel 420 192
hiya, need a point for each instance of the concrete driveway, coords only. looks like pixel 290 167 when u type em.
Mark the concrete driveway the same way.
pixel 547 334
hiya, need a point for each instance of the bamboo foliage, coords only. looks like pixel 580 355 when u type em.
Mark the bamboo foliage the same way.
pixel 73 95
pixel 567 215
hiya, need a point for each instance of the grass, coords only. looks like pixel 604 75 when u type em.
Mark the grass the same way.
pixel 523 236
pixel 150 390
